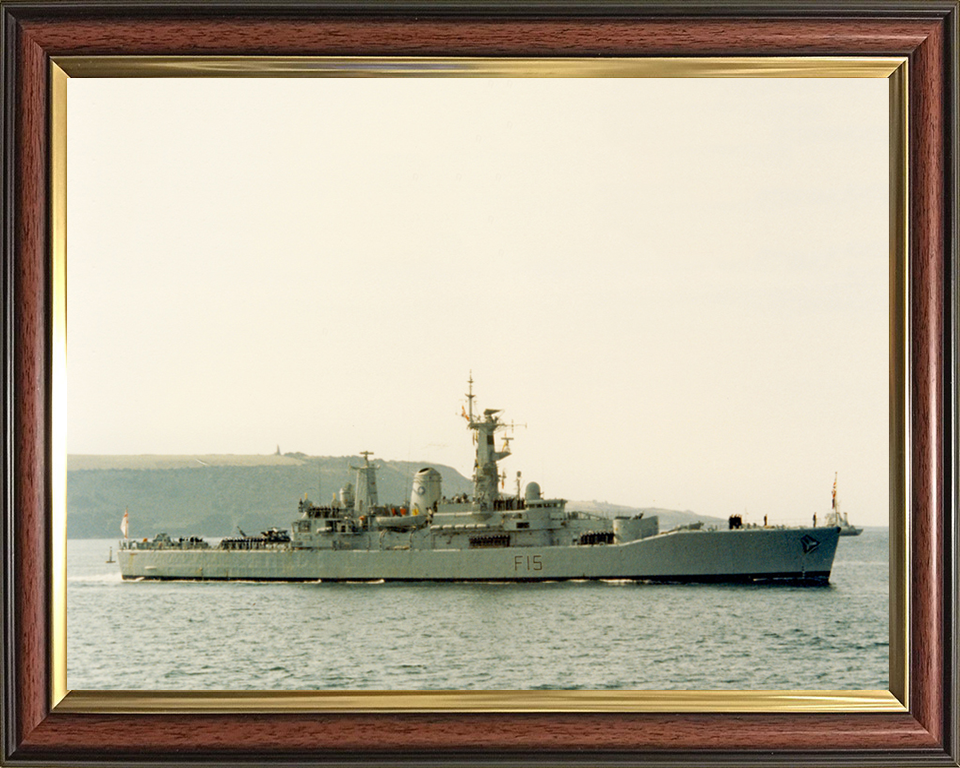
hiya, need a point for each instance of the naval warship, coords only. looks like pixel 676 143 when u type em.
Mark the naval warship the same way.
pixel 483 536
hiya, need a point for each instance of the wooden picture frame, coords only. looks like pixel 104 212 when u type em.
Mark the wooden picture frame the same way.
pixel 37 732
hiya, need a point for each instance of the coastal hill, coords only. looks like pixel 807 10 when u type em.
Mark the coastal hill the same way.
pixel 214 495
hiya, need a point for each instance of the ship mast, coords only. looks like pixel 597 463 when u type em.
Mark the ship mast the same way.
pixel 486 476
pixel 834 518
pixel 470 397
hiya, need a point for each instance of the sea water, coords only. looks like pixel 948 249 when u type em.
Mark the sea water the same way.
pixel 429 636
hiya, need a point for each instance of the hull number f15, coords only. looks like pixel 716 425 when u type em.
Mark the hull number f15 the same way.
pixel 528 563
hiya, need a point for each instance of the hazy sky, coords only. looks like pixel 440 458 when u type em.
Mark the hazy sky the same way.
pixel 679 286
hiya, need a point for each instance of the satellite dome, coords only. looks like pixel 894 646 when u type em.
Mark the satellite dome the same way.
pixel 532 492
pixel 426 491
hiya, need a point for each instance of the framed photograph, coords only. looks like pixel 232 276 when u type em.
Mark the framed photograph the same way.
pixel 566 221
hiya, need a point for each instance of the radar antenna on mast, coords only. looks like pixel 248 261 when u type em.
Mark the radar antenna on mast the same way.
pixel 470 397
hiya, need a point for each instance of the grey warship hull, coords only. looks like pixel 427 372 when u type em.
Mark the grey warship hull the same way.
pixel 486 536
pixel 751 554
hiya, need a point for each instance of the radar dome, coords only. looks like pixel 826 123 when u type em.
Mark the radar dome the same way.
pixel 532 492
pixel 426 491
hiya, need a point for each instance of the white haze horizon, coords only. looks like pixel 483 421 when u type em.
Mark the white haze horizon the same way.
pixel 679 287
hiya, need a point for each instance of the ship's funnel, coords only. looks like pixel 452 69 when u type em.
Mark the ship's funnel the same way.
pixel 426 491
pixel 346 496
pixel 366 484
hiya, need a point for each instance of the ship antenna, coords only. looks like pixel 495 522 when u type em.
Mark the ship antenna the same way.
pixel 470 397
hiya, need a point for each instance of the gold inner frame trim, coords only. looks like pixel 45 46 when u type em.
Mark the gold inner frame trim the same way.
pixel 413 66
pixel 899 386
pixel 130 702
pixel 58 362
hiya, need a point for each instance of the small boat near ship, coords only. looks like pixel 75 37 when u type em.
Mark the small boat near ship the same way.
pixel 483 536
pixel 839 519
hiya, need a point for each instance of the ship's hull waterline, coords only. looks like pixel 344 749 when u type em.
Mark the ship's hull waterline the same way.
pixel 747 554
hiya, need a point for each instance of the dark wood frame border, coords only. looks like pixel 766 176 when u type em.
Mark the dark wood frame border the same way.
pixel 925 32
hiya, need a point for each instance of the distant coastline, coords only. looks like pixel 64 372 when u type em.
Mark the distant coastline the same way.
pixel 214 494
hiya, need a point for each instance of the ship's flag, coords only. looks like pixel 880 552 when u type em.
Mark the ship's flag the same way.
pixel 464 412
pixel 834 502
pixel 125 525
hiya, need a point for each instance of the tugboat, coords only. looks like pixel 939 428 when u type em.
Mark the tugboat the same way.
pixel 483 536
pixel 839 519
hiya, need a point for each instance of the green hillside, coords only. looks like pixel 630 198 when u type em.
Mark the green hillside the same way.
pixel 213 495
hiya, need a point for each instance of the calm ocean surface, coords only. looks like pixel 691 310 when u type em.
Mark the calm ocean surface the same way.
pixel 586 635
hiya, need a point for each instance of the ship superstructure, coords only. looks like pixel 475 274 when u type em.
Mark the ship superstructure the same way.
pixel 483 536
